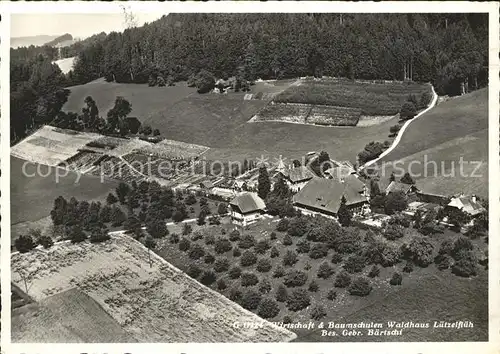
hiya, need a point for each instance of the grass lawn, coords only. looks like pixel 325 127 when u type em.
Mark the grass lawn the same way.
pixel 453 129
pixel 32 198
pixel 436 291
pixel 221 121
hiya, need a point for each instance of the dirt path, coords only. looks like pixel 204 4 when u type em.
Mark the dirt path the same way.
pixel 402 130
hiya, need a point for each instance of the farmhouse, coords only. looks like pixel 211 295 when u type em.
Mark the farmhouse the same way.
pixel 408 189
pixel 297 177
pixel 324 196
pixel 468 205
pixel 246 208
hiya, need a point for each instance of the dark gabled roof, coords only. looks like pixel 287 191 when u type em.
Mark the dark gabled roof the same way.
pixel 326 195
pixel 398 186
pixel 248 202
pixel 299 174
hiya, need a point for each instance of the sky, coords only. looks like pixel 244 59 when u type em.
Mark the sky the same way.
pixel 78 25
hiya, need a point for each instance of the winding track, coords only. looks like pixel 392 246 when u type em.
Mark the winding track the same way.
pixel 402 130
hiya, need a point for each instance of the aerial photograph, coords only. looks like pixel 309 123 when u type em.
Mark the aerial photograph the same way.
pixel 249 177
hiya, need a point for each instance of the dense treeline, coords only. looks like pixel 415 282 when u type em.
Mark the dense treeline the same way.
pixel 449 50
pixel 446 49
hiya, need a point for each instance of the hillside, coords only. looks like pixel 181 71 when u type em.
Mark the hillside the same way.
pixel 17 42
pixel 454 129
pixel 221 122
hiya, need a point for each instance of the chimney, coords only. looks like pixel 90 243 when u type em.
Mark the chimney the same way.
pixel 474 199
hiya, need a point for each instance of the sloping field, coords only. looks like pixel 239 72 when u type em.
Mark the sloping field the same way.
pixel 50 145
pixel 70 316
pixel 146 101
pixel 447 298
pixel 455 129
pixel 220 121
pixel 152 304
pixel 32 195
pixel 370 98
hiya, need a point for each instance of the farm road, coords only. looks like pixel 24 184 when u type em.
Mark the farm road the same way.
pixel 402 130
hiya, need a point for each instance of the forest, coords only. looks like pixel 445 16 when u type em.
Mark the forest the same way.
pixel 448 50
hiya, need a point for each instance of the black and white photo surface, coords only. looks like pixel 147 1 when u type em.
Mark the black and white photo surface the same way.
pixel 250 177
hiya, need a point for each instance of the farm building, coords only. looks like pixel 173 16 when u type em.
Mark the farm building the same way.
pixel 246 208
pixel 324 196
pixel 340 171
pixel 408 189
pixel 469 205
pixel 297 177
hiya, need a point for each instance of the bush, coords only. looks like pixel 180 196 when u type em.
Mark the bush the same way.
pixel 465 266
pixel 332 295
pixel 443 261
pixel 318 312
pixel 408 268
pixel 196 252
pixel 295 278
pixel 313 286
pixel 342 280
pixel 275 252
pixel 246 242
pixel 234 272
pixel 303 246
pixel 287 240
pixel 336 258
pixel 208 277
pixel 264 265
pixel 209 258
pixel 234 235
pixel 235 295
pixel 236 252
pixel 279 272
pixel 287 319
pixel 408 111
pixel 298 300
pixel 355 263
pixel 46 241
pixel 324 270
pixel 390 256
pixel 419 250
pixel 251 299
pixel 396 279
pixel 273 235
pixel 174 238
pixel 223 245
pixel 290 258
pixel 262 246
pixel 374 271
pixel 393 232
pixel 197 236
pixel 221 284
pixel 209 239
pixel 265 286
pixel 297 227
pixel 268 308
pixel 194 271
pixel 282 225
pixel 360 287
pixel 184 244
pixel 462 244
pixel 248 258
pixel 186 229
pixel 248 279
pixel 281 293
pixel 221 265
